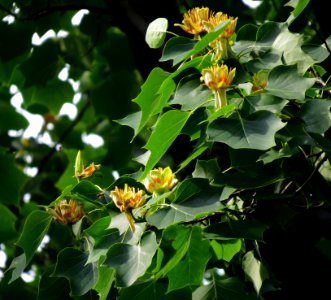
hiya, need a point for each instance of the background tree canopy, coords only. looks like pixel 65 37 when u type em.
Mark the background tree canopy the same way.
pixel 211 176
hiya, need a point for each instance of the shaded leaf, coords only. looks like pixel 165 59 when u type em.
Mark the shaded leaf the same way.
pixel 197 206
pixel 285 82
pixel 189 271
pixel 72 265
pixel 240 229
pixel 222 289
pixel 316 115
pixel 12 180
pixel 34 230
pixel 7 225
pixel 257 131
pixel 131 262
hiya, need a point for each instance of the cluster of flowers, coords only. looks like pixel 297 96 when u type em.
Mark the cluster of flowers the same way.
pixel 218 78
pixel 158 181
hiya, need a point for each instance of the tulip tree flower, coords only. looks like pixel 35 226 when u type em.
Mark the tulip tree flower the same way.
pixel 67 212
pixel 127 199
pixel 159 181
pixel 218 79
pixel 194 19
pixel 222 43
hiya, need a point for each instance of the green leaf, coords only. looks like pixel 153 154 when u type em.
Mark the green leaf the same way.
pixel 53 95
pixel 189 271
pixel 154 95
pixel 316 115
pixel 257 131
pixel 166 130
pixel 87 189
pixel 277 46
pixel 226 250
pixel 240 229
pixel 43 64
pixel 106 278
pixel 263 102
pixel 10 119
pixel 34 230
pixel 171 213
pixel 52 288
pixel 131 120
pixel 196 153
pixel 254 270
pixel 156 33
pixel 12 179
pixel 156 290
pixel 101 238
pixel 131 261
pixel 273 154
pixel 323 143
pixel 72 265
pixel 222 289
pixel 190 93
pixel 7 225
pixel 174 245
pixel 299 6
pixel 206 169
pixel 181 48
pixel 285 82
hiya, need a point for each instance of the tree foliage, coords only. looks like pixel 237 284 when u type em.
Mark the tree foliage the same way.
pixel 213 178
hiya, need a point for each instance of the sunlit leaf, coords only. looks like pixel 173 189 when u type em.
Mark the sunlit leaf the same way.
pixel 166 130
pixel 299 6
pixel 226 250
pixel 154 95
pixel 106 279
pixel 254 270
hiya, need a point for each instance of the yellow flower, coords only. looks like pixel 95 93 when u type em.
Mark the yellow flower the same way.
pixel 217 19
pixel 67 212
pixel 218 79
pixel 160 180
pixel 127 199
pixel 194 19
pixel 88 171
